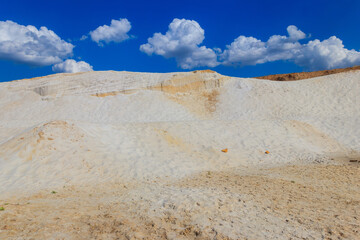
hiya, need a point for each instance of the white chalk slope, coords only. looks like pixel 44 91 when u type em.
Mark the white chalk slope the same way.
pixel 122 126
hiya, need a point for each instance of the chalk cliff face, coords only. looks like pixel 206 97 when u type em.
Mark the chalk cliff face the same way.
pixel 179 155
pixel 124 125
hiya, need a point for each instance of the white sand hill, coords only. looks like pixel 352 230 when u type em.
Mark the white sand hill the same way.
pixel 146 149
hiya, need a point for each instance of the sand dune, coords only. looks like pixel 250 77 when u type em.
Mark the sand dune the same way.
pixel 139 156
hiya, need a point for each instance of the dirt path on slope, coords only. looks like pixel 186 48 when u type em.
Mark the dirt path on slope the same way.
pixel 310 202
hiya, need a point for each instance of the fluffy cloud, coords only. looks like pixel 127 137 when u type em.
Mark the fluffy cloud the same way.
pixel 251 51
pixel 314 55
pixel 71 66
pixel 183 39
pixel 29 45
pixel 181 42
pixel 327 54
pixel 116 32
pixel 294 33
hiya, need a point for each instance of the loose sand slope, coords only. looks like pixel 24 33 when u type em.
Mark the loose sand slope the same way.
pixel 138 155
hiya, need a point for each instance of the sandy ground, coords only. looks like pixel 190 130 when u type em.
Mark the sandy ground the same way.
pixel 198 155
pixel 293 202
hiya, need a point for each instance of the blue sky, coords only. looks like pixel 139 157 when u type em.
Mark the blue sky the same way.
pixel 203 35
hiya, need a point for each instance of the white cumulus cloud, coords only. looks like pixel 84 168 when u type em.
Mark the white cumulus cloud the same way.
pixel 295 33
pixel 32 46
pixel 71 66
pixel 116 32
pixel 181 42
pixel 314 55
pixel 326 54
pixel 251 51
